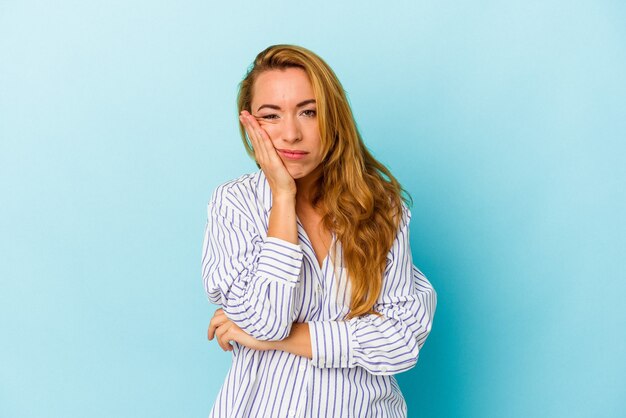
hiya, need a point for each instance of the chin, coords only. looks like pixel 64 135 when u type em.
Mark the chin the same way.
pixel 297 174
pixel 299 171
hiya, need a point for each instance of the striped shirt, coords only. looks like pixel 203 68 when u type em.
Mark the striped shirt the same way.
pixel 264 284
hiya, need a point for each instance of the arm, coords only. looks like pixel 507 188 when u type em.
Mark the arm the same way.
pixel 251 277
pixel 388 344
pixel 298 342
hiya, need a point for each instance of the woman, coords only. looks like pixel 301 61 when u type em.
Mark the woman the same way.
pixel 309 257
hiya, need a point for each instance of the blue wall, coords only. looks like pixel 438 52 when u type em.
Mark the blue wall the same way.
pixel 504 120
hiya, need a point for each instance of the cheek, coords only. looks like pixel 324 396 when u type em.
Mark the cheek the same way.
pixel 313 133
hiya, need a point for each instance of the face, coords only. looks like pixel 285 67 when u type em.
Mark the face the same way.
pixel 284 104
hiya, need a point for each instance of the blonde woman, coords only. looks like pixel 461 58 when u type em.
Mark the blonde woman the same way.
pixel 309 257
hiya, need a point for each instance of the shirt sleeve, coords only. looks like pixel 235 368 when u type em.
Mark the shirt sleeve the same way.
pixel 388 344
pixel 253 277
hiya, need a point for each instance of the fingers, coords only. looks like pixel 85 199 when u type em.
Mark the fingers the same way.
pixel 220 327
pixel 244 118
pixel 263 148
pixel 219 318
pixel 223 336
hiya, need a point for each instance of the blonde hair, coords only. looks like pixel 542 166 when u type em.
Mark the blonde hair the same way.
pixel 358 197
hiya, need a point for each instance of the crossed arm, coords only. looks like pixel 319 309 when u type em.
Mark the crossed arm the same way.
pixel 224 330
pixel 253 280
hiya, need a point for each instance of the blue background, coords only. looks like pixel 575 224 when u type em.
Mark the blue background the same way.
pixel 506 122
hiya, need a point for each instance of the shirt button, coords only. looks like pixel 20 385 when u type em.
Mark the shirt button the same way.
pixel 318 288
pixel 302 367
pixel 383 368
pixel 343 357
pixel 292 413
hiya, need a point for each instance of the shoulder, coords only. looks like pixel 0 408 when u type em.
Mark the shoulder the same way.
pixel 243 193
pixel 406 215
pixel 237 186
pixel 401 216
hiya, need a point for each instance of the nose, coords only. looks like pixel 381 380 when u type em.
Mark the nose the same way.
pixel 291 132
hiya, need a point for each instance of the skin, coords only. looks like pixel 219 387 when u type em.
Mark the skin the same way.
pixel 290 123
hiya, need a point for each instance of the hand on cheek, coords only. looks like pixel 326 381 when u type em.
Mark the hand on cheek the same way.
pixel 267 157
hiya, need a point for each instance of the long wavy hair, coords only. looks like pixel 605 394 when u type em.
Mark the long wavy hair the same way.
pixel 358 197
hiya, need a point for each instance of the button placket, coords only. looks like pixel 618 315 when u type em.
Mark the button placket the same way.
pixel 318 289
pixel 304 393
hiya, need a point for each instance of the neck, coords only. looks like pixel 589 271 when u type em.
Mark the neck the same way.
pixel 306 186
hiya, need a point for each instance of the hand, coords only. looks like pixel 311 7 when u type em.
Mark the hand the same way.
pixel 277 175
pixel 227 331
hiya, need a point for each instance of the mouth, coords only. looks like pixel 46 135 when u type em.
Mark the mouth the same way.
pixel 292 154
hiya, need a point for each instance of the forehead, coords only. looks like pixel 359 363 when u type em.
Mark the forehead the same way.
pixel 282 87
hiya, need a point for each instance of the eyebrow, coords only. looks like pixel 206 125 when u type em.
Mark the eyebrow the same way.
pixel 272 106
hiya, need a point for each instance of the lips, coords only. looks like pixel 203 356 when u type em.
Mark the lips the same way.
pixel 292 154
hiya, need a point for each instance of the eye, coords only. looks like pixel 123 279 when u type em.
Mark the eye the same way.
pixel 311 113
pixel 269 117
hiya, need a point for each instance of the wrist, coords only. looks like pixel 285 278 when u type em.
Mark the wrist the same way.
pixel 270 345
pixel 284 198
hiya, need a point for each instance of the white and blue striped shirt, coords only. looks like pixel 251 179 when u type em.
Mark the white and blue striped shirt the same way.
pixel 264 284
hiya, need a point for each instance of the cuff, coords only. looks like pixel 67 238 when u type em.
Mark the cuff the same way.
pixel 331 344
pixel 280 260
